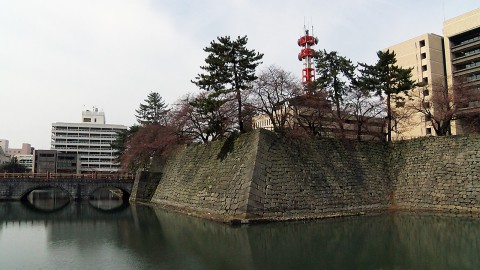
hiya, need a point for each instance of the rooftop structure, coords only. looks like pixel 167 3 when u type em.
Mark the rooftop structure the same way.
pixel 306 56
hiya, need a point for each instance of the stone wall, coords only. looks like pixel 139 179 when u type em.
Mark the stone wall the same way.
pixel 211 179
pixel 261 175
pixel 436 173
pixel 145 186
pixel 319 177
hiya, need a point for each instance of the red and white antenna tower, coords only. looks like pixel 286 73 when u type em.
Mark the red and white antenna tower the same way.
pixel 306 55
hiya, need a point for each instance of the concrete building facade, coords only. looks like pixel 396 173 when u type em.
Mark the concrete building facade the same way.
pixel 26 149
pixel 438 62
pixel 462 62
pixel 424 54
pixel 90 140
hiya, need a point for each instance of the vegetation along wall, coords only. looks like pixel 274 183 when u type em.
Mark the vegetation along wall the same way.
pixel 263 176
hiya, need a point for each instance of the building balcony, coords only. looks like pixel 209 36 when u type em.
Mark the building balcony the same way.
pixel 474 108
pixel 466 46
pixel 82 136
pixel 466 59
pixel 466 71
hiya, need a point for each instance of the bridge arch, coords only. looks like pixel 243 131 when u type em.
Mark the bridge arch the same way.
pixel 77 188
pixel 28 190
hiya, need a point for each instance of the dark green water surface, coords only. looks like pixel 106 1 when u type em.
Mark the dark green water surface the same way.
pixel 80 236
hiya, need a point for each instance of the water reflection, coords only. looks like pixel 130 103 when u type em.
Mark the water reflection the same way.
pixel 54 199
pixel 47 199
pixel 108 199
pixel 139 237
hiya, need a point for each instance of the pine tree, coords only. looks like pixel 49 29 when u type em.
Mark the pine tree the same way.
pixel 386 78
pixel 154 111
pixel 334 75
pixel 230 68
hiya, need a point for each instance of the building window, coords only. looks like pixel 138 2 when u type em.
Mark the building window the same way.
pixel 469 39
pixel 426 92
pixel 86 120
pixel 423 55
pixel 429 131
pixel 422 43
pixel 425 80
pixel 472 64
pixel 424 68
pixel 474 77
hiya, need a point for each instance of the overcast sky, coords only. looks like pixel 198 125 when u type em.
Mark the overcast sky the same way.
pixel 59 57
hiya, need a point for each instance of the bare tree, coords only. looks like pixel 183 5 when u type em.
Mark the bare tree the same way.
pixel 150 141
pixel 271 92
pixel 312 113
pixel 440 105
pixel 203 117
pixel 366 112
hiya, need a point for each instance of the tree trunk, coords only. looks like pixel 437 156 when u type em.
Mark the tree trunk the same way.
pixel 240 121
pixel 389 120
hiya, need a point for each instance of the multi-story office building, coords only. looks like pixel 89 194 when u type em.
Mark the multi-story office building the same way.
pixel 438 62
pixel 90 140
pixel 45 161
pixel 51 161
pixel 462 58
pixel 425 55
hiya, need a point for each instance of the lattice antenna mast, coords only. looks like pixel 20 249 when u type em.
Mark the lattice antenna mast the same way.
pixel 306 55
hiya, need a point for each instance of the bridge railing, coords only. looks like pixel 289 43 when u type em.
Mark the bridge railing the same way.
pixel 51 176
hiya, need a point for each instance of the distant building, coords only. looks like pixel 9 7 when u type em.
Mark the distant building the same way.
pixel 438 62
pixel 68 163
pixel 300 112
pixel 51 161
pixel 24 155
pixel 3 157
pixel 45 161
pixel 25 160
pixel 425 55
pixel 90 139
pixel 462 57
pixel 4 145
pixel 26 149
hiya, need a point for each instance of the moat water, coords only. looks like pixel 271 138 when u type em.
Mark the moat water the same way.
pixel 109 235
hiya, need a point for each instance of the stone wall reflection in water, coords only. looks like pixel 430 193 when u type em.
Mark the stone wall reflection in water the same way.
pixel 81 236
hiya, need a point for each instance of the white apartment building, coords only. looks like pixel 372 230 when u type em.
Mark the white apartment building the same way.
pixel 90 139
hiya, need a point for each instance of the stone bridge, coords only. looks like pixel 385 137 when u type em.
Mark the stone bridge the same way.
pixel 79 187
